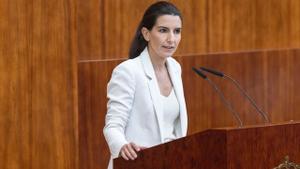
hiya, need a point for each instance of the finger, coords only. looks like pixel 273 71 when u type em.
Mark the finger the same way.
pixel 124 155
pixel 129 152
pixel 132 151
pixel 136 147
pixel 125 152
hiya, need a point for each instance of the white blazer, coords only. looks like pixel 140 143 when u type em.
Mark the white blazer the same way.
pixel 134 110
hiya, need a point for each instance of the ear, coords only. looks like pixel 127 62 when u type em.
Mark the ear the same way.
pixel 145 33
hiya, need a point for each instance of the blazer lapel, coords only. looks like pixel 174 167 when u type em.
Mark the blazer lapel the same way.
pixel 153 88
pixel 178 88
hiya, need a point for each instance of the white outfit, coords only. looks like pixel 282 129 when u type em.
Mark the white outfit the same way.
pixel 135 110
pixel 171 115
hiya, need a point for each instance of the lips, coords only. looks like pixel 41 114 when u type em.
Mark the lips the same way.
pixel 169 47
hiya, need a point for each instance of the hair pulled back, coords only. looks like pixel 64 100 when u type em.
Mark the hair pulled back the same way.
pixel 157 9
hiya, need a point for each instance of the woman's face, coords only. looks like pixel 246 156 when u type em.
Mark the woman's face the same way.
pixel 164 37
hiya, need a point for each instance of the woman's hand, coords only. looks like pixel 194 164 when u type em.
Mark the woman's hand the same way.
pixel 129 151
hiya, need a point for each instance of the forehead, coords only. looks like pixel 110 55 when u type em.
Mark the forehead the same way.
pixel 169 21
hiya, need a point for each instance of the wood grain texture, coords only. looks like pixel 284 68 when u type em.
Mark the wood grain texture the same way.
pixel 90 31
pixel 15 72
pixel 106 28
pixel 231 148
pixel 38 121
pixel 253 24
pixel 263 147
pixel 270 77
pixel 202 150
pixel 92 80
pixel 120 22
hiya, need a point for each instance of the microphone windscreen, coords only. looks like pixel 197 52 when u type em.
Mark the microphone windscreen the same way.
pixel 215 72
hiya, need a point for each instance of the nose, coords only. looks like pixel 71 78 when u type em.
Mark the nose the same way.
pixel 171 37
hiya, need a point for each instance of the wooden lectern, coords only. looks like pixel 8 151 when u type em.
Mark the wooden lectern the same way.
pixel 256 147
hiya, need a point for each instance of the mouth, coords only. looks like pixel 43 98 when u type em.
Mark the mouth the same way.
pixel 168 47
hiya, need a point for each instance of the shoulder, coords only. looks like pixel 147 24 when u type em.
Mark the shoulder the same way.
pixel 126 70
pixel 128 65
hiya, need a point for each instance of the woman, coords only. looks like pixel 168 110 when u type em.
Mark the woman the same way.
pixel 146 104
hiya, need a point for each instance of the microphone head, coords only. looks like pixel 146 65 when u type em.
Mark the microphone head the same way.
pixel 199 73
pixel 214 72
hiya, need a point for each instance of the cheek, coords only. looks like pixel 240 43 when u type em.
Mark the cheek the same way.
pixel 178 38
pixel 156 41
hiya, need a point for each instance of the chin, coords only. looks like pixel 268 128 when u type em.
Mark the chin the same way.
pixel 165 55
pixel 168 54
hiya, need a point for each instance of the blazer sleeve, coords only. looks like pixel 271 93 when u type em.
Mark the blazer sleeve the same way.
pixel 120 93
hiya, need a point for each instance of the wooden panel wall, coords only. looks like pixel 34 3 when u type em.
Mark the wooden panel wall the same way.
pixel 253 24
pixel 270 77
pixel 105 27
pixel 92 78
pixel 38 100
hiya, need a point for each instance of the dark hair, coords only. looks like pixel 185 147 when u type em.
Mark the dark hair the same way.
pixel 157 9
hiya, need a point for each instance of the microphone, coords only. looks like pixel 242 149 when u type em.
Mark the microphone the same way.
pixel 242 91
pixel 225 101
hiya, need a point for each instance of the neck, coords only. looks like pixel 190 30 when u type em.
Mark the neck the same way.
pixel 157 62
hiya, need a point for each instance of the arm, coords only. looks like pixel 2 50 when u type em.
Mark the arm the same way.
pixel 120 92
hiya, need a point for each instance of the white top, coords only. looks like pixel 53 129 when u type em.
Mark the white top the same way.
pixel 170 115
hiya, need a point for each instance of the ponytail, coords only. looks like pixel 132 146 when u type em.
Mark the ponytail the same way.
pixel 138 44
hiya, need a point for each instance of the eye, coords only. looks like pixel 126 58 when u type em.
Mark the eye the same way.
pixel 177 31
pixel 162 30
